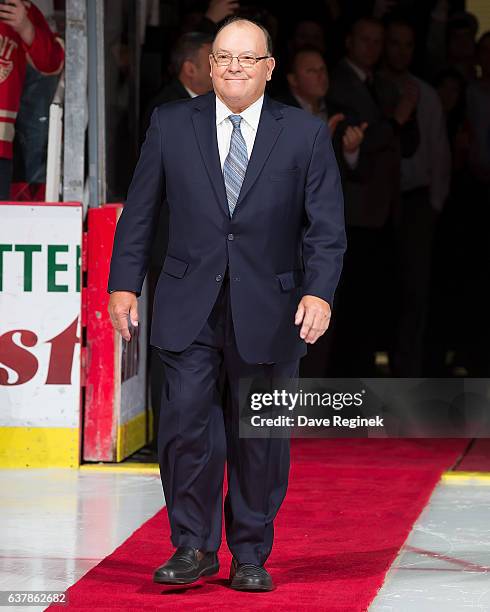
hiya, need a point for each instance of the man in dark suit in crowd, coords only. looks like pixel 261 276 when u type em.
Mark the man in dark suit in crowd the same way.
pixel 308 83
pixel 371 204
pixel 256 242
pixel 189 64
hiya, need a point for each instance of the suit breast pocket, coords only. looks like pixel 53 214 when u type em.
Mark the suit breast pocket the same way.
pixel 285 175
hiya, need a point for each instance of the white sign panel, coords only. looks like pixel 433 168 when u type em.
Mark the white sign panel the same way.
pixel 40 304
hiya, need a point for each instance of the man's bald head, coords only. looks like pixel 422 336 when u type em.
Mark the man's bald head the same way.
pixel 241 22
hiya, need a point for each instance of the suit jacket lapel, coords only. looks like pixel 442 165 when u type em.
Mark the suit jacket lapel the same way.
pixel 268 131
pixel 204 119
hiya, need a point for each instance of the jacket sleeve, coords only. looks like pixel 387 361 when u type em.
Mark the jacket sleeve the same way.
pixel 324 240
pixel 138 221
pixel 46 53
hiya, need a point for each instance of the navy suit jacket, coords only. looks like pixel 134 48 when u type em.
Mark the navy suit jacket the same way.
pixel 286 237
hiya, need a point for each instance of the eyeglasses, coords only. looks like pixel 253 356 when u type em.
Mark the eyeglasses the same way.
pixel 246 60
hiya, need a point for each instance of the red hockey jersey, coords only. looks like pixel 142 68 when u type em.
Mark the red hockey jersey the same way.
pixel 46 54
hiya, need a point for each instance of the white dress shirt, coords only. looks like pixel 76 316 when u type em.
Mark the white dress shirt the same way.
pixel 190 92
pixel 248 126
pixel 322 110
pixel 362 74
pixel 430 165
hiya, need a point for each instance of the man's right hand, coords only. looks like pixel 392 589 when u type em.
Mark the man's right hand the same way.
pixel 122 306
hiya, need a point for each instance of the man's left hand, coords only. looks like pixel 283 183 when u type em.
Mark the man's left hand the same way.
pixel 14 14
pixel 315 315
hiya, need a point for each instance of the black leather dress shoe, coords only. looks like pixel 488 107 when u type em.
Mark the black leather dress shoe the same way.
pixel 184 567
pixel 249 577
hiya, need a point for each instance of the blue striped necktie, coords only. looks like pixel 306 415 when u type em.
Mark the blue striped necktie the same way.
pixel 235 164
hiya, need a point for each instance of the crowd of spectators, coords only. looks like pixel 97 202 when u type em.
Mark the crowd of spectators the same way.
pixel 405 89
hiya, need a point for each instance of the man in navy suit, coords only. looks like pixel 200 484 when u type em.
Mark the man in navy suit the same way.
pixel 256 242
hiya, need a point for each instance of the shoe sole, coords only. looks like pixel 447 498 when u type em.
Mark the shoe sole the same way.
pixel 243 587
pixel 209 571
pixel 252 590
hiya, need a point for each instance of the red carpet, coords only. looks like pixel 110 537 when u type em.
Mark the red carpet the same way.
pixel 349 508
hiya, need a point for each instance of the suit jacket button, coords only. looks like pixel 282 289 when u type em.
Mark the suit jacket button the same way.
pixel 218 277
pixel 230 236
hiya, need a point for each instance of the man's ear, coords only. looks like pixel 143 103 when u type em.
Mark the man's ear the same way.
pixel 292 80
pixel 188 68
pixel 272 63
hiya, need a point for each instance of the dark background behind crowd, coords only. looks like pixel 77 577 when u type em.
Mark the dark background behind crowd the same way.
pixel 415 77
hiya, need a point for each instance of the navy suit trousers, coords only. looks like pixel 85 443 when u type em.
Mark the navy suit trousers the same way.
pixel 198 432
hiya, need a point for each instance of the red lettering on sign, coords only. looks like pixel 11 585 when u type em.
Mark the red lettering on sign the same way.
pixel 61 360
pixel 16 357
pixel 25 364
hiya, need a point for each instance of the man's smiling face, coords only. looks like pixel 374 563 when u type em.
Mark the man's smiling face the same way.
pixel 235 85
